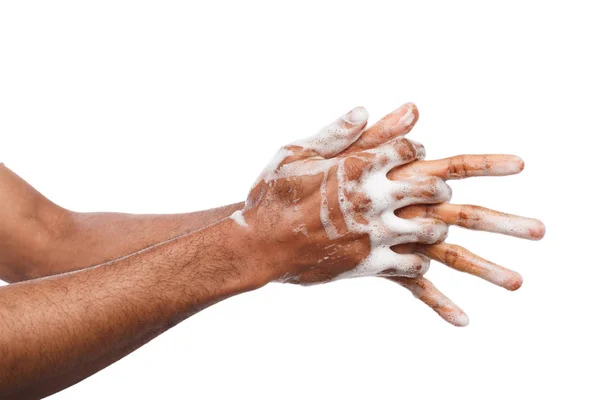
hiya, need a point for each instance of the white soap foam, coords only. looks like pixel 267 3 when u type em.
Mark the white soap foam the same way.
pixel 238 217
pixel 382 226
pixel 301 229
pixel 336 136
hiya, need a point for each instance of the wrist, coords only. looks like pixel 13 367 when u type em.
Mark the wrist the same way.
pixel 237 255
pixel 213 215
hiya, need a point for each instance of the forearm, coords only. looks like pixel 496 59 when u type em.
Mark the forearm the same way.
pixel 63 322
pixel 39 238
pixel 95 238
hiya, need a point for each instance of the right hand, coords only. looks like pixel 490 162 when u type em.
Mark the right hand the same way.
pixel 394 126
pixel 319 216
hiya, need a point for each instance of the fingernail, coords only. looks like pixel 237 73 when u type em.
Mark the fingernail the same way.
pixel 357 116
pixel 538 231
pixel 407 114
pixel 517 164
pixel 402 117
pixel 514 283
pixel 460 320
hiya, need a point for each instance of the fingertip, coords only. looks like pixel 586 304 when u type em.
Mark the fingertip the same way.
pixel 420 150
pixel 455 316
pixel 538 231
pixel 357 115
pixel 447 192
pixel 414 111
pixel 461 320
pixel 409 115
pixel 399 122
pixel 336 136
pixel 518 163
pixel 503 165
pixel 514 283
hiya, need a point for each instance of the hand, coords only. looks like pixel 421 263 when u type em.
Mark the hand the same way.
pixel 397 124
pixel 321 215
pixel 466 216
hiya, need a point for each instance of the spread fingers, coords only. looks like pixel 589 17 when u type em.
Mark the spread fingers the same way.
pixel 464 166
pixel 478 218
pixel 461 259
pixel 425 291
pixel 396 124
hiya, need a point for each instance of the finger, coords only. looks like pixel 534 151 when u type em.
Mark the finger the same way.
pixel 383 261
pixel 333 138
pixel 425 291
pixel 463 260
pixel 464 166
pixel 397 123
pixel 421 190
pixel 478 218
pixel 398 151
pixel 410 266
pixel 414 230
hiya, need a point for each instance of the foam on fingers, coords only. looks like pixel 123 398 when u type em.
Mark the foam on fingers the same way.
pixel 464 166
pixel 463 260
pixel 337 136
pixel 395 124
pixel 425 291
pixel 478 218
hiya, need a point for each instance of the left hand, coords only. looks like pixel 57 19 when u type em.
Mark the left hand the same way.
pixel 399 123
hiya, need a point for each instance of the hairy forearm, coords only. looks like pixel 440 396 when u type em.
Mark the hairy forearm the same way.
pixel 63 322
pixel 46 239
pixel 39 238
pixel 95 238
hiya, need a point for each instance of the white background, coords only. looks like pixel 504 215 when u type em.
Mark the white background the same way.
pixel 145 106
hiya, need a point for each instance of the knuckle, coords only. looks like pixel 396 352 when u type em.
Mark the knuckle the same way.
pixel 418 266
pixel 436 189
pixel 361 203
pixel 425 263
pixel 420 150
pixel 354 168
pixel 441 190
pixel 457 167
pixel 414 266
pixel 446 194
pixel 433 232
pixel 405 149
pixel 467 216
pixel 450 255
pixel 463 217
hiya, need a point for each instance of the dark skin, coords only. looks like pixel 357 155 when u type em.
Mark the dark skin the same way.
pixel 40 238
pixel 126 303
pixel 62 323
